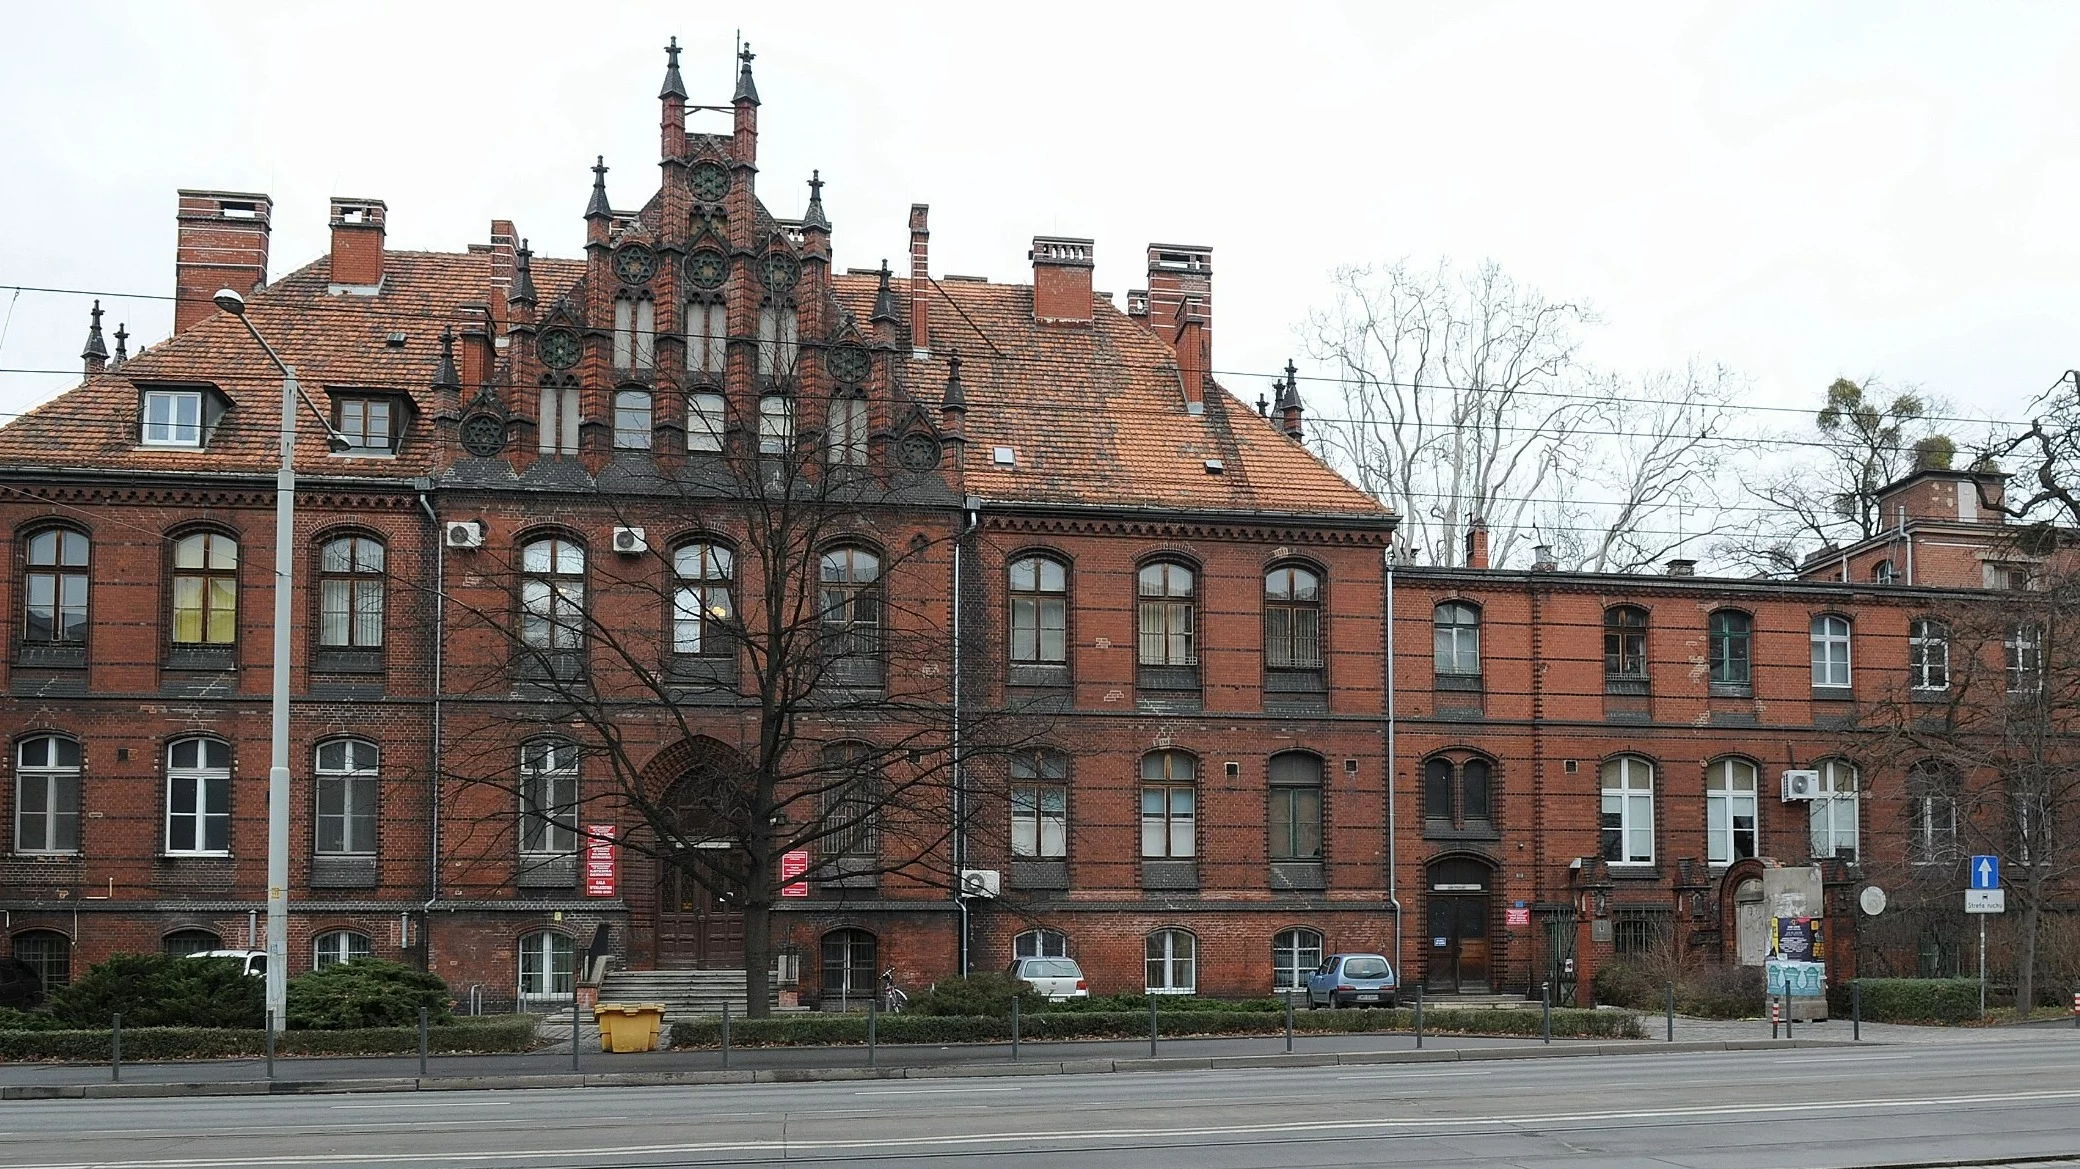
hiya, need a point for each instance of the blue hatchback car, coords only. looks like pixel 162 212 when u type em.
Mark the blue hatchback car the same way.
pixel 1352 980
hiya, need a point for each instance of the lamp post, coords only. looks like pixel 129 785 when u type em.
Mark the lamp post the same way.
pixel 284 583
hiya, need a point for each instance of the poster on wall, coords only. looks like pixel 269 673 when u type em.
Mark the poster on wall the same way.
pixel 792 865
pixel 600 866
pixel 1792 938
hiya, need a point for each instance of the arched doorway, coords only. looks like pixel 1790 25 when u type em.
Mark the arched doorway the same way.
pixel 700 864
pixel 1457 945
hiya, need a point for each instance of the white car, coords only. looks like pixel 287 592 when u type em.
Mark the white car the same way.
pixel 1057 978
pixel 254 962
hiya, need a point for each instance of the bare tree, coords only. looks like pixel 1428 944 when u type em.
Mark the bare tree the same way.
pixel 2047 455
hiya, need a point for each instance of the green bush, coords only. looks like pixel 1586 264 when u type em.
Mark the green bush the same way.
pixel 1166 1002
pixel 1912 1000
pixel 156 990
pixel 367 992
pixel 1621 984
pixel 13 1020
pixel 495 1033
pixel 987 993
pixel 1722 992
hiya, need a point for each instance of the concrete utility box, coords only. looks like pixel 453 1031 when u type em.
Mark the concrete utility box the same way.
pixel 627 1027
pixel 1798 893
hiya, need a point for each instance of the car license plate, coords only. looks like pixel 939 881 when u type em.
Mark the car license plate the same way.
pixel 1368 998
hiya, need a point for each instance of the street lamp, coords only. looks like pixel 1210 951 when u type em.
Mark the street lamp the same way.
pixel 284 582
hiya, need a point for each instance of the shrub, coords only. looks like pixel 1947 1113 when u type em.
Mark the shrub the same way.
pixel 987 993
pixel 155 990
pixel 367 992
pixel 13 1020
pixel 1621 984
pixel 1722 992
pixel 1166 1002
pixel 1912 1000
pixel 497 1033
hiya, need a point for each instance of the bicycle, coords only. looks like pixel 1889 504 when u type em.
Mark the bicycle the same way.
pixel 893 1000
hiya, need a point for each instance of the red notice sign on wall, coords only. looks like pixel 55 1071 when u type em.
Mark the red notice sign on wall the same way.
pixel 1515 917
pixel 792 865
pixel 600 871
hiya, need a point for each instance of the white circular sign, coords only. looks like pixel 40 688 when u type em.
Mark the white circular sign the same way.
pixel 1872 899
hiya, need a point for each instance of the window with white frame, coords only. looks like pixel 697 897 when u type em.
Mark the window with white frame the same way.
pixel 631 420
pixel 1294 955
pixel 552 594
pixel 1831 652
pixel 778 329
pixel 702 607
pixel 1040 943
pixel 706 416
pixel 1173 960
pixel 707 337
pixel 172 418
pixel 635 333
pixel 1169 805
pixel 46 795
pixel 1931 815
pixel 1730 810
pixel 846 442
pixel 549 798
pixel 350 593
pixel 1458 638
pixel 368 424
pixel 1832 813
pixel 346 783
pixel 1928 654
pixel 557 422
pixel 775 424
pixel 2022 652
pixel 1884 572
pixel 339 946
pixel 1627 819
pixel 1040 805
pixel 198 797
pixel 547 965
pixel 54 588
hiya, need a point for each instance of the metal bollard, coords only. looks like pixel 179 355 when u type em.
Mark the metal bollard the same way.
pixel 2076 1010
pixel 1289 1022
pixel 268 1043
pixel 1776 1015
pixel 873 1024
pixel 1419 1018
pixel 1151 1026
pixel 1671 1012
pixel 1014 1028
pixel 1545 1010
pixel 725 1035
pixel 574 1030
pixel 1787 1016
pixel 115 1055
pixel 422 1042
pixel 1856 1009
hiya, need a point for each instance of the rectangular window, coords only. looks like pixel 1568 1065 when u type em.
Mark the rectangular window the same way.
pixel 1928 655
pixel 549 799
pixel 1296 823
pixel 558 422
pixel 624 333
pixel 1832 817
pixel 1931 829
pixel 366 424
pixel 851 818
pixel 705 418
pixel 173 418
pixel 1831 652
pixel 2023 654
pixel 47 796
pixel 1167 814
pixel 631 420
pixel 198 812
pixel 1040 821
pixel 777 329
pixel 346 783
pixel 646 334
pixel 848 432
pixel 775 424
pixel 707 337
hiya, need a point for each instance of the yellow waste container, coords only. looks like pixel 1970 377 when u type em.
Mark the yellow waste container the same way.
pixel 628 1026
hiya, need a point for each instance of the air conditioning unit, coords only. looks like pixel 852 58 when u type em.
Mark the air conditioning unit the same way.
pixel 630 541
pixel 465 534
pixel 1801 785
pixel 981 882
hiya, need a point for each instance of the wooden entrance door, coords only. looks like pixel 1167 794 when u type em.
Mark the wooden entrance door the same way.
pixel 1457 944
pixel 696 929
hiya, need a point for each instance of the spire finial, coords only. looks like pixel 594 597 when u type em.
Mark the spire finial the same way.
pixel 1292 376
pixel 523 275
pixel 673 87
pixel 599 205
pixel 95 354
pixel 746 91
pixel 122 345
pixel 444 375
pixel 813 217
pixel 956 396
pixel 884 297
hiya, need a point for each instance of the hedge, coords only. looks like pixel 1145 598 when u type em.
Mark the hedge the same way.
pixel 819 1030
pixel 496 1033
pixel 1912 1000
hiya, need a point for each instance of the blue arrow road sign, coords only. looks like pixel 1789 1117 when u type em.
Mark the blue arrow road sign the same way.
pixel 1986 872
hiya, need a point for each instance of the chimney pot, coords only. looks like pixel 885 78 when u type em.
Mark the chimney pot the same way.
pixel 1062 278
pixel 357 243
pixel 222 243
pixel 1477 544
pixel 1681 567
pixel 1180 310
pixel 920 280
pixel 1542 559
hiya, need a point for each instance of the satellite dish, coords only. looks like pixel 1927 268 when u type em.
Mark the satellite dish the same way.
pixel 1872 899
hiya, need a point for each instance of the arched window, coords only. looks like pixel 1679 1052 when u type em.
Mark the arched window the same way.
pixel 1625 650
pixel 1627 819
pixel 1928 654
pixel 1165 613
pixel 338 946
pixel 1833 813
pixel 198 797
pixel 1296 807
pixel 1173 962
pixel 845 442
pixel 1831 652
pixel 54 588
pixel 346 783
pixel 702 608
pixel 181 943
pixel 1730 809
pixel 635 332
pixel 1292 619
pixel 49 953
pixel 707 337
pixel 548 798
pixel 1169 805
pixel 1884 573
pixel 1040 943
pixel 1730 645
pixel 706 416
pixel 778 329
pixel 547 969
pixel 46 795
pixel 1040 807
pixel 1294 955
pixel 851 966
pixel 557 423
pixel 850 805
pixel 851 616
pixel 775 424
pixel 632 420
pixel 1458 795
pixel 1458 639
pixel 1039 614
pixel 350 593
pixel 205 589
pixel 552 594
pixel 1931 815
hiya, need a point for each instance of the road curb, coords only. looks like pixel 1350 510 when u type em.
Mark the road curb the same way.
pixel 1040 1067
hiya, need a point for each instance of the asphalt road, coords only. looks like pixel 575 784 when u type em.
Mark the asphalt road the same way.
pixel 2013 1095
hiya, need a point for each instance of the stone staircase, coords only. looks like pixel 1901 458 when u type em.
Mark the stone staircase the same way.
pixel 684 993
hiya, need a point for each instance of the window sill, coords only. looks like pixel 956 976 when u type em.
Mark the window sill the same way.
pixel 1730 690
pixel 1049 675
pixel 343 871
pixel 1170 873
pixel 1444 830
pixel 1929 694
pixel 45 854
pixel 51 656
pixel 1280 680
pixel 1040 873
pixel 1833 694
pixel 1636 687
pixel 194 856
pixel 1298 876
pixel 1633 871
pixel 201 657
pixel 1463 682
pixel 337 660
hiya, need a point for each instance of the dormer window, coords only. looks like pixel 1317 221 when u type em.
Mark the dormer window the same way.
pixel 369 424
pixel 173 418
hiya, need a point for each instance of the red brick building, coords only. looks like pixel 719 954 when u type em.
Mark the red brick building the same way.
pixel 1200 603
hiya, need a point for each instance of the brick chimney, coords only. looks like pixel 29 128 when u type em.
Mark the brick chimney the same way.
pixel 920 280
pixel 1682 567
pixel 222 243
pixel 1061 279
pixel 504 248
pixel 357 242
pixel 1180 310
pixel 1477 544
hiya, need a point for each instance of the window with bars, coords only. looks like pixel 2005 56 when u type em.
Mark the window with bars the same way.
pixel 1294 955
pixel 1625 650
pixel 1165 615
pixel 338 946
pixel 1293 619
pixel 851 608
pixel 1172 965
pixel 850 804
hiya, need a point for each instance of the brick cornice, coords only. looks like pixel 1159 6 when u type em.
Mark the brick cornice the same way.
pixel 1300 530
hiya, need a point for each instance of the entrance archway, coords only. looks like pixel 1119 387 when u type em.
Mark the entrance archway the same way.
pixel 698 923
pixel 1459 889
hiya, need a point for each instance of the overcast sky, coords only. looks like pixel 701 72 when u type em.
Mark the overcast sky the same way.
pixel 1797 191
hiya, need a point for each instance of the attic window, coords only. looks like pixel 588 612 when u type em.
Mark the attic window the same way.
pixel 1214 467
pixel 173 418
pixel 394 340
pixel 368 424
pixel 1003 456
